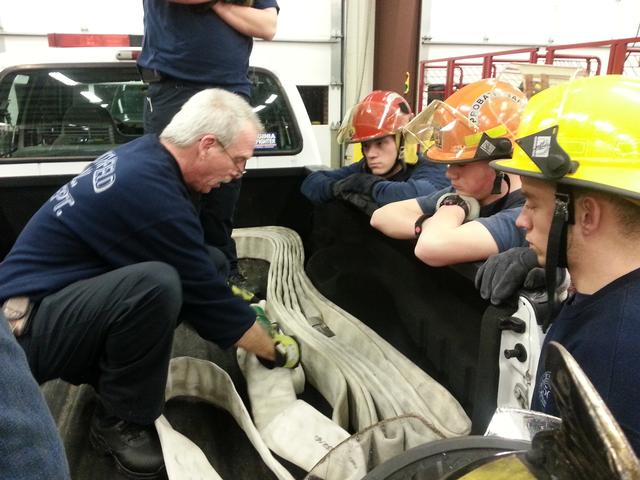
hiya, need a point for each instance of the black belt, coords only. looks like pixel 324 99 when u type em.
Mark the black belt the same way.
pixel 150 75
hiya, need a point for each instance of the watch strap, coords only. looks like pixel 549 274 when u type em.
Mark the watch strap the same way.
pixel 417 227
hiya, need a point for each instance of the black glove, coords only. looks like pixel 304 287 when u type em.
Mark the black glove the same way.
pixel 536 279
pixel 361 201
pixel 356 183
pixel 502 275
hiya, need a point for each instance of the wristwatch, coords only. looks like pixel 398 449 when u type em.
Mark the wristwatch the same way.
pixel 417 227
pixel 453 199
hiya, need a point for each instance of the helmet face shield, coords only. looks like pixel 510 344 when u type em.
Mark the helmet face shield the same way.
pixel 444 131
pixel 378 115
pixel 346 131
pixel 534 78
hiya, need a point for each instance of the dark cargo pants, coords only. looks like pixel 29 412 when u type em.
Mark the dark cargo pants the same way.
pixel 114 332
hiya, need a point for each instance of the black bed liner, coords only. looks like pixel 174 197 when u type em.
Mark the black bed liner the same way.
pixel 433 315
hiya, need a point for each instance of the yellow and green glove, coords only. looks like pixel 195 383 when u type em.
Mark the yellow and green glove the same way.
pixel 286 346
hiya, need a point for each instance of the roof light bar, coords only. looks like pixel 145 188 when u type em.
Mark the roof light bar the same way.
pixel 67 40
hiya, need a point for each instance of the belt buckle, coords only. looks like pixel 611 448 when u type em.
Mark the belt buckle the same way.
pixel 16 310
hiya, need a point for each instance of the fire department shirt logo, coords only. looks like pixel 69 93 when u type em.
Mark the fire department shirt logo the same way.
pixel 103 176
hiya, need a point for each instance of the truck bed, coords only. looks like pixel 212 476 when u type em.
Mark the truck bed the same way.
pixel 432 315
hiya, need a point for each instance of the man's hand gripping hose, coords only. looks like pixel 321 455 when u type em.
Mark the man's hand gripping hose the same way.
pixel 286 346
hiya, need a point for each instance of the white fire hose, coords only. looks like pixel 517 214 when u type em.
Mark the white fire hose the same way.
pixel 364 379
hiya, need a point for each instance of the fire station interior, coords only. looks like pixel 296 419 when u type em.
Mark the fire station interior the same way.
pixel 433 316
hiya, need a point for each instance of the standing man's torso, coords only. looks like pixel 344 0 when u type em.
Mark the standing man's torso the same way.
pixel 184 42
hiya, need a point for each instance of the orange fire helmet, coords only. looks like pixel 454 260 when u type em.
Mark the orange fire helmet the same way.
pixel 478 122
pixel 379 114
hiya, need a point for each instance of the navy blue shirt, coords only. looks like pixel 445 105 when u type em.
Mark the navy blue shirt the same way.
pixel 602 332
pixel 130 205
pixel 498 217
pixel 186 43
pixel 422 178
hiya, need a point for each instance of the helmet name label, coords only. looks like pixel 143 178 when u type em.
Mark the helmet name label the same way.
pixel 541 147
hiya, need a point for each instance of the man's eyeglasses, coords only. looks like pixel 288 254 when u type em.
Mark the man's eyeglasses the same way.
pixel 236 163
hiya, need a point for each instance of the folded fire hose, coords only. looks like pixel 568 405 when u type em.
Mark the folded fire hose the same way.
pixel 364 379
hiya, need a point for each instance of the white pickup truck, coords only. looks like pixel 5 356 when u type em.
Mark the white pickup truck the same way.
pixel 66 106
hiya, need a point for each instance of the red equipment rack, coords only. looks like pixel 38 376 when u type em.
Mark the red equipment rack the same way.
pixel 441 77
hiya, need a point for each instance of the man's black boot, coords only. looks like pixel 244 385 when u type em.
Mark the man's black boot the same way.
pixel 135 448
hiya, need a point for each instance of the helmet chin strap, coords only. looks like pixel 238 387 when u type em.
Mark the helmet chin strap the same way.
pixel 497 183
pixel 399 156
pixel 563 216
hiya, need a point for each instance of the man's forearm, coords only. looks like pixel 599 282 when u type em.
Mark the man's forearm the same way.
pixel 397 220
pixel 252 22
pixel 446 240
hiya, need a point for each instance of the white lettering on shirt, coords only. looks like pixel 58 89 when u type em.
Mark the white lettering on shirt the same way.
pixel 104 175
pixel 62 198
pixel 103 172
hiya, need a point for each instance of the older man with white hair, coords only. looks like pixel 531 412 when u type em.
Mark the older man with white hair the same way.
pixel 104 271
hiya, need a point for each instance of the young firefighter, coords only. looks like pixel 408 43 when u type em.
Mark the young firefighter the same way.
pixel 389 170
pixel 579 159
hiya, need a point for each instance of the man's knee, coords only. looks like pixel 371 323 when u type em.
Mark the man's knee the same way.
pixel 160 282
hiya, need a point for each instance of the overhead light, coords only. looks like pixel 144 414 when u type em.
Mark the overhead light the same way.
pixel 271 99
pixel 92 97
pixel 258 108
pixel 61 77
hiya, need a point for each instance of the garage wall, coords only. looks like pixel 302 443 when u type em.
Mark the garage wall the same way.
pixel 493 25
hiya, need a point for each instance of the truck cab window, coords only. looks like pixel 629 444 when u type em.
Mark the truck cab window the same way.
pixel 84 110
pixel 281 134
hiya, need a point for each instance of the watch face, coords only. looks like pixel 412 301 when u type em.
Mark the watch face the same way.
pixel 453 200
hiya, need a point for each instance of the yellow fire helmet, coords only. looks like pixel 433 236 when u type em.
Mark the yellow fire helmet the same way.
pixel 585 133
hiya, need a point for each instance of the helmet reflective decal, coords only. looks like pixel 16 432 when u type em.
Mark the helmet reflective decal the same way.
pixel 487 147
